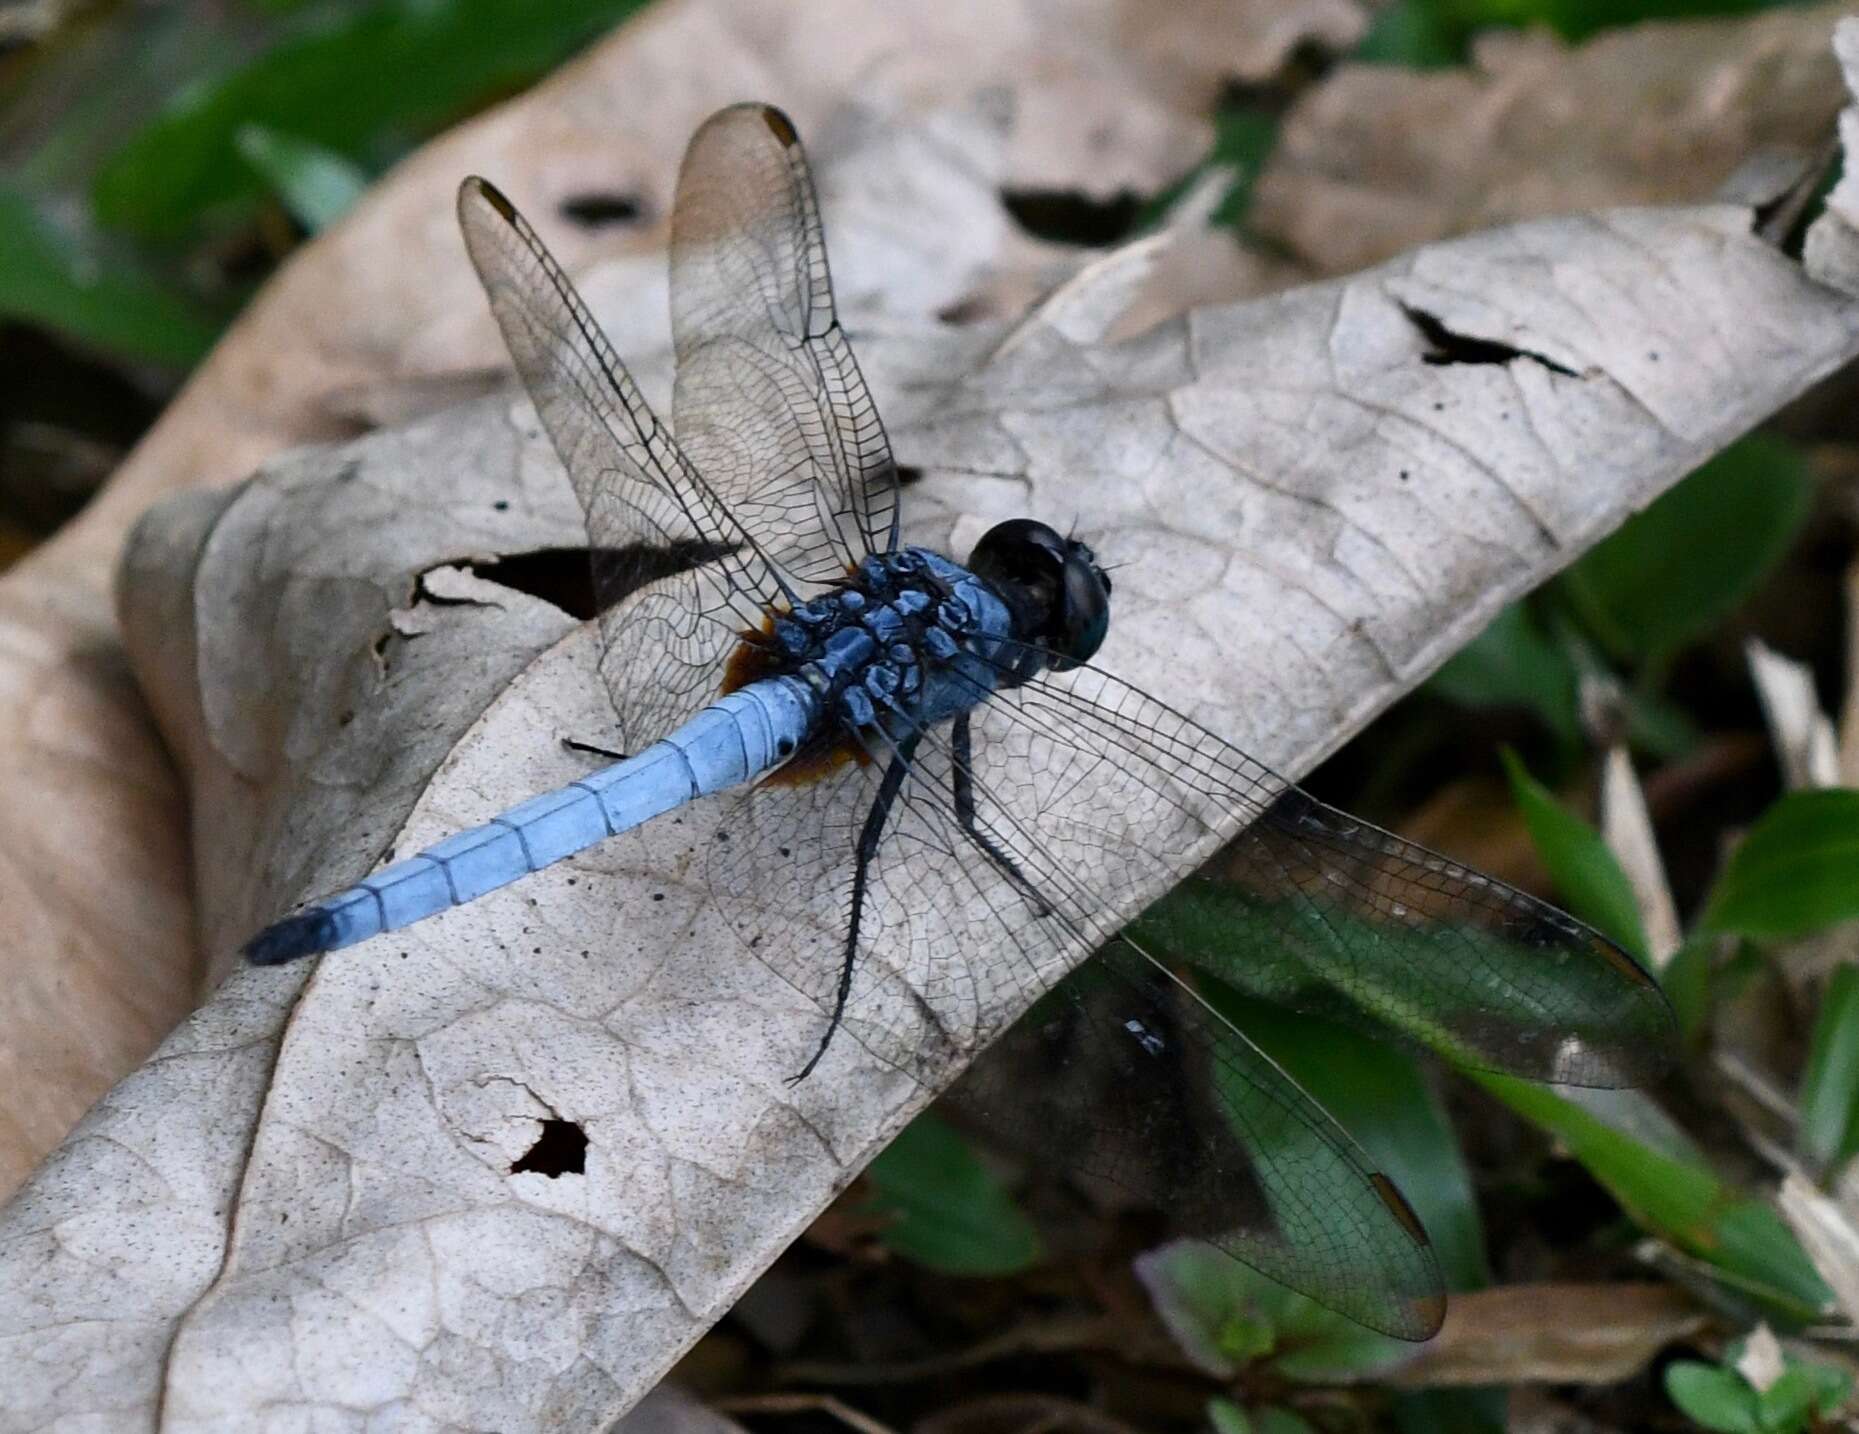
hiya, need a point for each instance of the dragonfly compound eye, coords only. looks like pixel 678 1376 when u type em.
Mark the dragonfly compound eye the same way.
pixel 1059 597
pixel 1084 609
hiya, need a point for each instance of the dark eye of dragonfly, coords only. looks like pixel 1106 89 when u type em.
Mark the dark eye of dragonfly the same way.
pixel 1058 594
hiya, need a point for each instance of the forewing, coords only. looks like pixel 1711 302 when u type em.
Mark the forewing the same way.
pixel 1309 906
pixel 678 576
pixel 769 403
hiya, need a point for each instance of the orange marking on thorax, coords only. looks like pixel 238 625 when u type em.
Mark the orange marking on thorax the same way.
pixel 754 659
pixel 813 764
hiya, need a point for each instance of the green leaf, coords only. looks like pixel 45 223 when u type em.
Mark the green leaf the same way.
pixel 1276 1419
pixel 1584 870
pixel 1716 1398
pixel 1688 985
pixel 1243 139
pixel 1832 1386
pixel 1322 1347
pixel 1674 571
pixel 948 1212
pixel 1795 873
pixel 1578 19
pixel 1639 1118
pixel 1659 726
pixel 1514 662
pixel 1227 1316
pixel 1379 1095
pixel 1222 1314
pixel 1804 1390
pixel 347 81
pixel 1227 1417
pixel 64 278
pixel 317 185
pixel 1678 1198
pixel 1451 1411
pixel 1830 1082
pixel 1411 33
pixel 1439 32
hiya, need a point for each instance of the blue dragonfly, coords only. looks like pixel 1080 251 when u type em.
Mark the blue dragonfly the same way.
pixel 939 805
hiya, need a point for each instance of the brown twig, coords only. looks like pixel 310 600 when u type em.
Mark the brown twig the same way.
pixel 802 1404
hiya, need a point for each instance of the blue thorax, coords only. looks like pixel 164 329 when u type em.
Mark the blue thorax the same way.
pixel 911 633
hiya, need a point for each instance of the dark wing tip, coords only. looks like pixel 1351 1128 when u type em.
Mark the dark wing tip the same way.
pixel 780 125
pixel 1404 1214
pixel 304 934
pixel 490 193
pixel 1422 1312
pixel 1647 1053
pixel 1426 1313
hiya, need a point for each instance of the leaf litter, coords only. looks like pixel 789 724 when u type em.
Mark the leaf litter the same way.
pixel 305 1196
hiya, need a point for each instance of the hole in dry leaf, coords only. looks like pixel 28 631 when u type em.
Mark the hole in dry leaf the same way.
pixel 970 310
pixel 906 475
pixel 583 582
pixel 562 577
pixel 1066 216
pixel 560 1150
pixel 1454 348
pixel 596 210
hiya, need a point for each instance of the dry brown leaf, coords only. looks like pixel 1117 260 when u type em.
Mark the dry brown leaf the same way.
pixel 1762 1362
pixel 1377 159
pixel 1626 827
pixel 1476 818
pixel 671 1410
pixel 1803 736
pixel 1828 1229
pixel 1552 1334
pixel 1084 95
pixel 1537 1411
pixel 1311 515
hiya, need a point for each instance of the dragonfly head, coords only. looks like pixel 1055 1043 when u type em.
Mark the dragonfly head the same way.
pixel 1058 595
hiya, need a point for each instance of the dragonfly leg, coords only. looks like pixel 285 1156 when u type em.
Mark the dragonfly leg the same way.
pixel 867 849
pixel 964 781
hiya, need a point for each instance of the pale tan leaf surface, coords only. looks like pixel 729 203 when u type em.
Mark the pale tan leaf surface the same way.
pixel 1828 1229
pixel 1378 159
pixel 1552 1334
pixel 670 1410
pixel 1832 253
pixel 1803 736
pixel 382 317
pixel 303 1201
pixel 1626 827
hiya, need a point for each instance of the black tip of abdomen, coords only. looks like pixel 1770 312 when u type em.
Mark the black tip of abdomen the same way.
pixel 304 934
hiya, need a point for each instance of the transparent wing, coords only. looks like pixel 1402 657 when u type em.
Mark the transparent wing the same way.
pixel 1309 906
pixel 925 993
pixel 1121 1073
pixel 769 403
pixel 1088 797
pixel 1128 1076
pixel 678 577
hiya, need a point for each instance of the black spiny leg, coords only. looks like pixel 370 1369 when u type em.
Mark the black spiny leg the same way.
pixel 867 848
pixel 964 777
